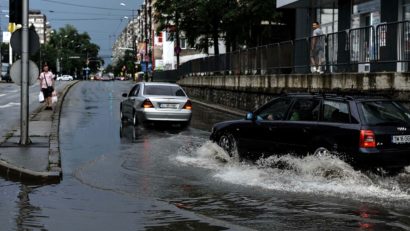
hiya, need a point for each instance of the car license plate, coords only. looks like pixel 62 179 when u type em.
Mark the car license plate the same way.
pixel 168 105
pixel 401 139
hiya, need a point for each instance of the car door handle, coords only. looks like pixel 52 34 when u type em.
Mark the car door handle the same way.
pixel 271 128
pixel 307 129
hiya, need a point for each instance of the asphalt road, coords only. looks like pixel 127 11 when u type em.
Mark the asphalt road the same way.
pixel 117 177
pixel 10 103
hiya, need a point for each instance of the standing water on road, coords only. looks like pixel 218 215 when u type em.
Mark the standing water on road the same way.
pixel 324 175
pixel 121 177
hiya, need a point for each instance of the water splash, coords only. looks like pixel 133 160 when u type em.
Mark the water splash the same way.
pixel 315 174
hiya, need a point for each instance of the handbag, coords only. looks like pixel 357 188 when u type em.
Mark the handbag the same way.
pixel 54 97
pixel 41 97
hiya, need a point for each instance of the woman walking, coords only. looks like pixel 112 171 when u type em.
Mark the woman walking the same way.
pixel 46 79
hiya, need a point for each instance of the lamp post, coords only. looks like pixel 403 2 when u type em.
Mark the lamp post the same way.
pixel 131 23
pixel 60 56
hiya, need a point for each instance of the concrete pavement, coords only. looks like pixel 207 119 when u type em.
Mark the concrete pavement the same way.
pixel 38 162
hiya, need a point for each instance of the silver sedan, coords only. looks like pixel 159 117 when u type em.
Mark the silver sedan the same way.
pixel 156 102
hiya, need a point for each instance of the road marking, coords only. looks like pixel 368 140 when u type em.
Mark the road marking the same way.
pixel 9 105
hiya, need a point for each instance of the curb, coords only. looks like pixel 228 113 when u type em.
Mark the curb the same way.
pixel 221 108
pixel 54 175
pixel 54 155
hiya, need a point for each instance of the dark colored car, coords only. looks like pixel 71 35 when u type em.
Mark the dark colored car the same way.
pixel 365 131
pixel 5 73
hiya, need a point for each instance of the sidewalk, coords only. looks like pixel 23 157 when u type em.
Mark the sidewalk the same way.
pixel 38 162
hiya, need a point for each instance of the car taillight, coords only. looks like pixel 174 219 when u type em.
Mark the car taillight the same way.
pixel 147 104
pixel 188 105
pixel 367 139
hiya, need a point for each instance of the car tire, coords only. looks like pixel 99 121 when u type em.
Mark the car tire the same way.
pixel 134 119
pixel 321 151
pixel 395 171
pixel 122 117
pixel 185 124
pixel 229 143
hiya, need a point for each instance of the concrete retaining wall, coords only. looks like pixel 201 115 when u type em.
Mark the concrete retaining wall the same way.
pixel 247 92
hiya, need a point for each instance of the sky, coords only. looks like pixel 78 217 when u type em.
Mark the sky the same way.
pixel 103 20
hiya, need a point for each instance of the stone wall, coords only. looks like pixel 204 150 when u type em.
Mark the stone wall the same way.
pixel 247 92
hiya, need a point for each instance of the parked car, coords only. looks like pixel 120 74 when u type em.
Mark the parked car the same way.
pixel 122 78
pixel 106 77
pixel 5 72
pixel 156 102
pixel 65 78
pixel 368 132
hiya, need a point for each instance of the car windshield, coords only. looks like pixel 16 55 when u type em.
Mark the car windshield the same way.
pixel 384 112
pixel 163 90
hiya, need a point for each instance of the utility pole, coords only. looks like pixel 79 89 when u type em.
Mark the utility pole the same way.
pixel 146 38
pixel 24 137
pixel 133 45
pixel 177 49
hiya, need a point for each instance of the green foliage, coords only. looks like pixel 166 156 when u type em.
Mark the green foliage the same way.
pixel 72 49
pixel 203 22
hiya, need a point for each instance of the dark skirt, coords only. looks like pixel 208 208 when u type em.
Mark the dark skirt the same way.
pixel 47 92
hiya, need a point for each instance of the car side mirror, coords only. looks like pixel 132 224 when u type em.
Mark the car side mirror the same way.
pixel 124 95
pixel 250 116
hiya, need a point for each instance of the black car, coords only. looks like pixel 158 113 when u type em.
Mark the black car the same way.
pixel 5 74
pixel 366 131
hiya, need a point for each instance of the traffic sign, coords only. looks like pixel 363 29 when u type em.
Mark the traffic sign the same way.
pixel 15 72
pixel 34 41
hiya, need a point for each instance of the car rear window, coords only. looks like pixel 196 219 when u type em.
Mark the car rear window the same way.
pixel 163 90
pixel 384 112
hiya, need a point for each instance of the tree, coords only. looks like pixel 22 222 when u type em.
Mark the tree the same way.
pixel 67 52
pixel 204 22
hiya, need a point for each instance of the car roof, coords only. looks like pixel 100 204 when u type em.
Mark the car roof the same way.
pixel 341 96
pixel 160 84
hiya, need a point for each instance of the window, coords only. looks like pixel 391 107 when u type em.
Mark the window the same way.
pixel 134 91
pixel 276 110
pixel 384 112
pixel 336 111
pixel 163 90
pixel 305 110
pixel 183 43
pixel 160 37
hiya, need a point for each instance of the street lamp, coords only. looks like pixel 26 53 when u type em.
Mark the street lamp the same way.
pixel 131 23
pixel 60 56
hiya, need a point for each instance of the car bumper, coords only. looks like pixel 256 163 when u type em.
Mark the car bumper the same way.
pixel 163 115
pixel 387 159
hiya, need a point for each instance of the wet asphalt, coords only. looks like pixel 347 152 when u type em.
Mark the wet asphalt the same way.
pixel 117 177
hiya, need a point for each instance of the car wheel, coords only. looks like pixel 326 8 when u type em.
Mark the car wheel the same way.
pixel 321 151
pixel 122 117
pixel 395 171
pixel 229 143
pixel 134 119
pixel 185 124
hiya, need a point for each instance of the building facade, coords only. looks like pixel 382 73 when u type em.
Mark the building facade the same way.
pixel 152 48
pixel 39 21
pixel 374 34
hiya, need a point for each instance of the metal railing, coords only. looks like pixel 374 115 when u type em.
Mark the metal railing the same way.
pixel 385 47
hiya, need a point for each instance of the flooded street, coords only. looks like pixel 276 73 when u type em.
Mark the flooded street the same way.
pixel 117 177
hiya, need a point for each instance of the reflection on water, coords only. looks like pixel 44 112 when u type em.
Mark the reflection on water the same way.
pixel 135 134
pixel 27 217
